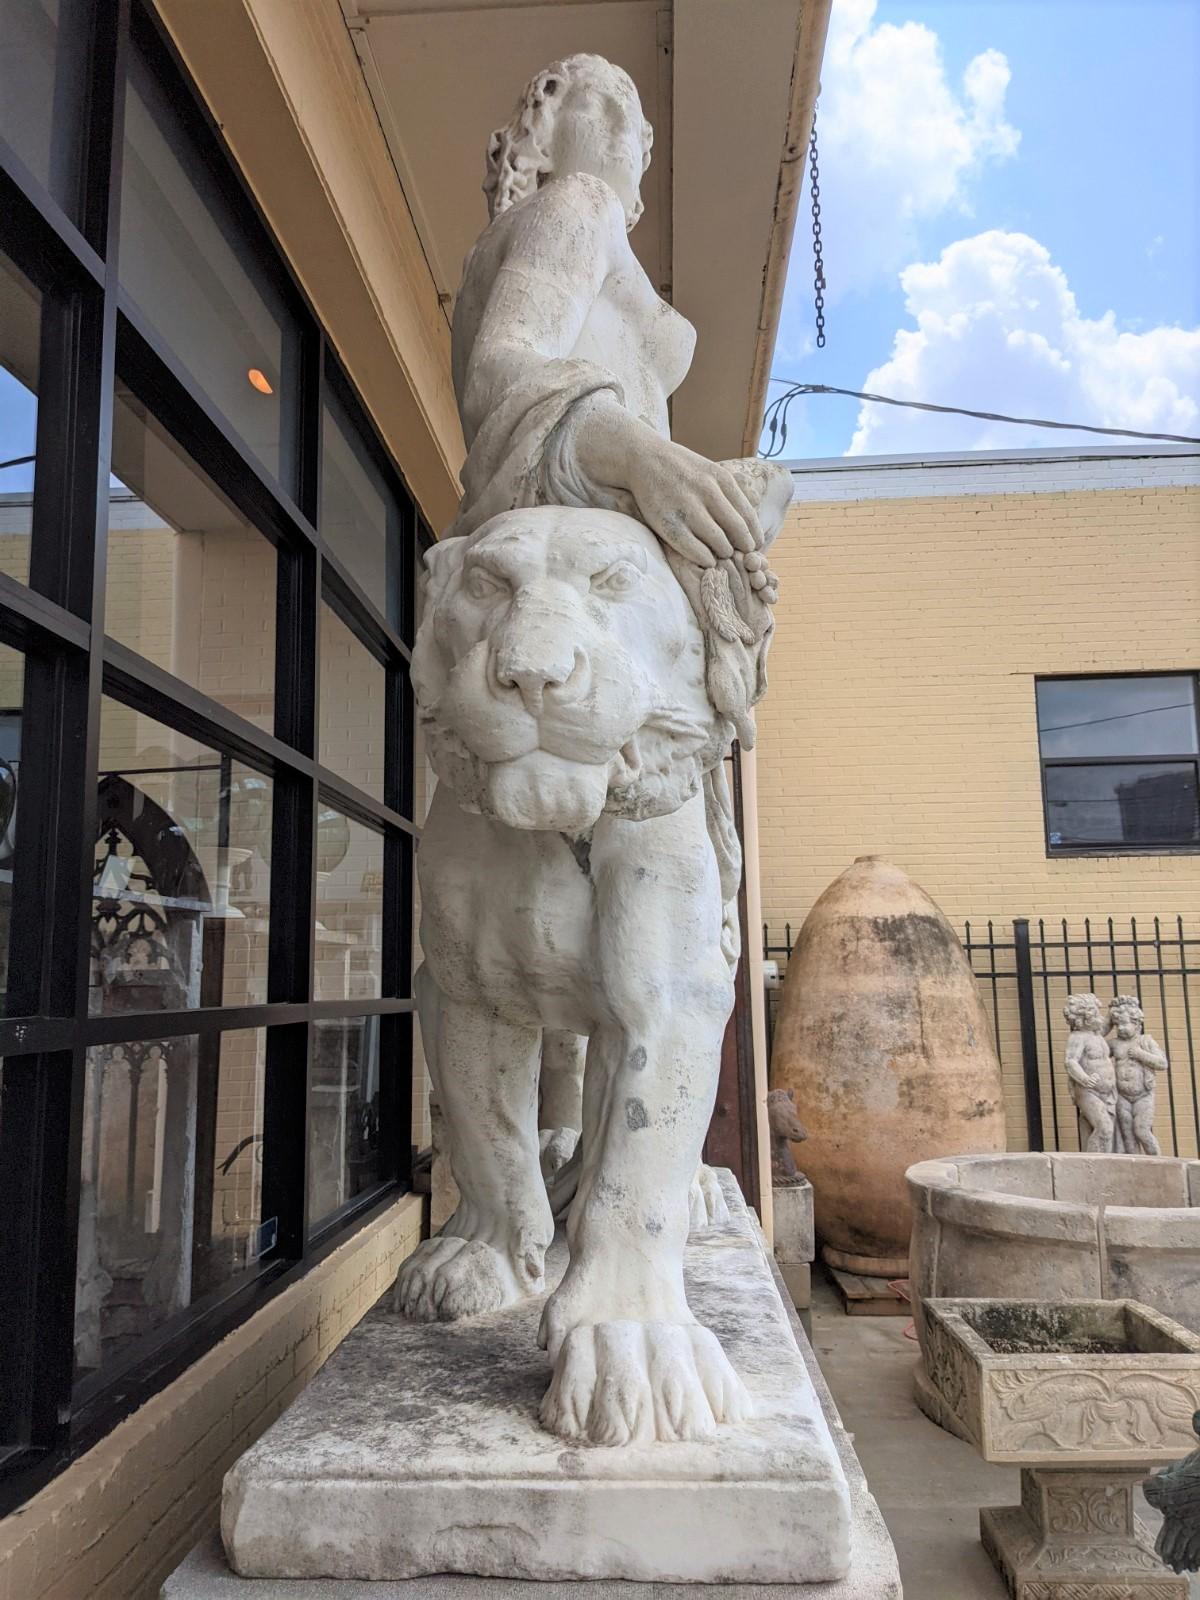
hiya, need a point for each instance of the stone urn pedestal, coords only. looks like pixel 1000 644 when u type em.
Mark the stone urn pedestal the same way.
pixel 1083 1395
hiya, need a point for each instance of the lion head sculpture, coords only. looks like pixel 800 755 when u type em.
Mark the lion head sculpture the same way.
pixel 559 672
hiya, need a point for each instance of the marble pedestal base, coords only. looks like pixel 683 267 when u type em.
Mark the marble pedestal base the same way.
pixel 417 1450
pixel 795 1241
pixel 1076 1536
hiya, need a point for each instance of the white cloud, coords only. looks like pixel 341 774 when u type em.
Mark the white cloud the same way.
pixel 998 329
pixel 899 143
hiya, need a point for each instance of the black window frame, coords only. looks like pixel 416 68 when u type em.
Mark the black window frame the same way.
pixel 1119 847
pixel 90 333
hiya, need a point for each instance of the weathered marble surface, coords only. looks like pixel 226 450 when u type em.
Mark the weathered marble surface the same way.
pixel 795 1239
pixel 417 1450
pixel 595 633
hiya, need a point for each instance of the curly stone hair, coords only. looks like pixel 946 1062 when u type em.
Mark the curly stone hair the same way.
pixel 518 155
pixel 1127 1005
pixel 1080 1007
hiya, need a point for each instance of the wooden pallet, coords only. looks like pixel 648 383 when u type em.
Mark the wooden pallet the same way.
pixel 867 1297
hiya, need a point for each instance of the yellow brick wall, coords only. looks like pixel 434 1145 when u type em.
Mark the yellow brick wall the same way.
pixel 115 1523
pixel 901 718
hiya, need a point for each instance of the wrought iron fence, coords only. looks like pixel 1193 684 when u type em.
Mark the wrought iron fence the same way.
pixel 1027 968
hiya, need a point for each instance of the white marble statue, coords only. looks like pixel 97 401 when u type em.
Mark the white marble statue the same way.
pixel 1091 1075
pixel 595 633
pixel 1137 1059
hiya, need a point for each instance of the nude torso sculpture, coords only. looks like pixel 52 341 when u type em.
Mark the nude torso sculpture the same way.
pixel 1090 1072
pixel 596 628
pixel 1137 1061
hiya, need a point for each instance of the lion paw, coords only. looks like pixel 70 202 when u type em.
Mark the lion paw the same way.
pixel 623 1382
pixel 706 1203
pixel 447 1278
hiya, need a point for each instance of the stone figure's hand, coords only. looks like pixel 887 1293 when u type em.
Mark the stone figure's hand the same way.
pixel 694 505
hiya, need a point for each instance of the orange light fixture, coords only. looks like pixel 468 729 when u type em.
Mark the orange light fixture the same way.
pixel 260 381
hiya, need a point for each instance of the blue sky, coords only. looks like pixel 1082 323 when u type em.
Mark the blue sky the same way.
pixel 1063 178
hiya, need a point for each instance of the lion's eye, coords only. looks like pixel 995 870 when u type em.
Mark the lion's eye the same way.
pixel 619 579
pixel 484 585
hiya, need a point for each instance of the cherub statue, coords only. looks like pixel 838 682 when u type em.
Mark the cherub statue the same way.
pixel 595 633
pixel 1090 1072
pixel 1136 1058
pixel 785 1127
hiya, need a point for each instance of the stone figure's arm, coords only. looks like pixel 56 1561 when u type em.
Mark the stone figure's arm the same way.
pixel 1074 1062
pixel 1149 1053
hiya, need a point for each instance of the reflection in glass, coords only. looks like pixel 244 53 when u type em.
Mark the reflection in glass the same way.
pixel 171 1198
pixel 360 519
pixel 44 49
pixel 182 877
pixel 12 697
pixel 186 264
pixel 352 707
pixel 1151 803
pixel 343 1149
pixel 349 927
pixel 20 334
pixel 1142 716
pixel 191 586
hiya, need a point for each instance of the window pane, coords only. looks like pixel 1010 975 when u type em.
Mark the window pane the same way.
pixel 352 706
pixel 1152 803
pixel 191 585
pixel 349 927
pixel 171 1199
pixel 181 892
pixel 343 1142
pixel 20 336
pixel 44 47
pixel 12 695
pixel 185 262
pixel 1151 716
pixel 360 519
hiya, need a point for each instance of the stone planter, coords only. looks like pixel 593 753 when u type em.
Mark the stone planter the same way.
pixel 1084 1396
pixel 1054 1227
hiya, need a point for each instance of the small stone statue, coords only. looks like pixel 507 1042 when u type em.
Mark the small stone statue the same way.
pixel 785 1127
pixel 1090 1072
pixel 1136 1058
pixel 1175 1491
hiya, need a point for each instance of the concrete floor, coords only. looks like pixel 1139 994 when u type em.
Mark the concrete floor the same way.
pixel 929 1485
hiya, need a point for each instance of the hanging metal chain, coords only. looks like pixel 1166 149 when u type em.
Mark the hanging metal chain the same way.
pixel 818 262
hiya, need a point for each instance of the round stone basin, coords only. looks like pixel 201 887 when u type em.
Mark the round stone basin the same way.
pixel 1056 1227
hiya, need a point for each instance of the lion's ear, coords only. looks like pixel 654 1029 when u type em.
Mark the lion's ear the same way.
pixel 442 564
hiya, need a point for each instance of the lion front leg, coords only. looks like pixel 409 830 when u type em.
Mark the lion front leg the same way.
pixel 630 1360
pixel 492 1250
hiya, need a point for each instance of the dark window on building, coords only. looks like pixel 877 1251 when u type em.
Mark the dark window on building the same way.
pixel 207 778
pixel 1120 762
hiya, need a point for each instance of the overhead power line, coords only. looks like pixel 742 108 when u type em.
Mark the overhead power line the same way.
pixel 775 420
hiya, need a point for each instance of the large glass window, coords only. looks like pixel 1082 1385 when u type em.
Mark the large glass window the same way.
pixel 224 815
pixel 188 263
pixel 163 1223
pixel 349 928
pixel 20 333
pixel 43 89
pixel 352 707
pixel 191 586
pixel 12 692
pixel 360 517
pixel 181 888
pixel 344 1157
pixel 1121 762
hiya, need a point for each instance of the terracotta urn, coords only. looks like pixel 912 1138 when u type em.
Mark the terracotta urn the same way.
pixel 883 1039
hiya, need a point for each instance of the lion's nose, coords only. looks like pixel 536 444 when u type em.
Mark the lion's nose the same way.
pixel 560 680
